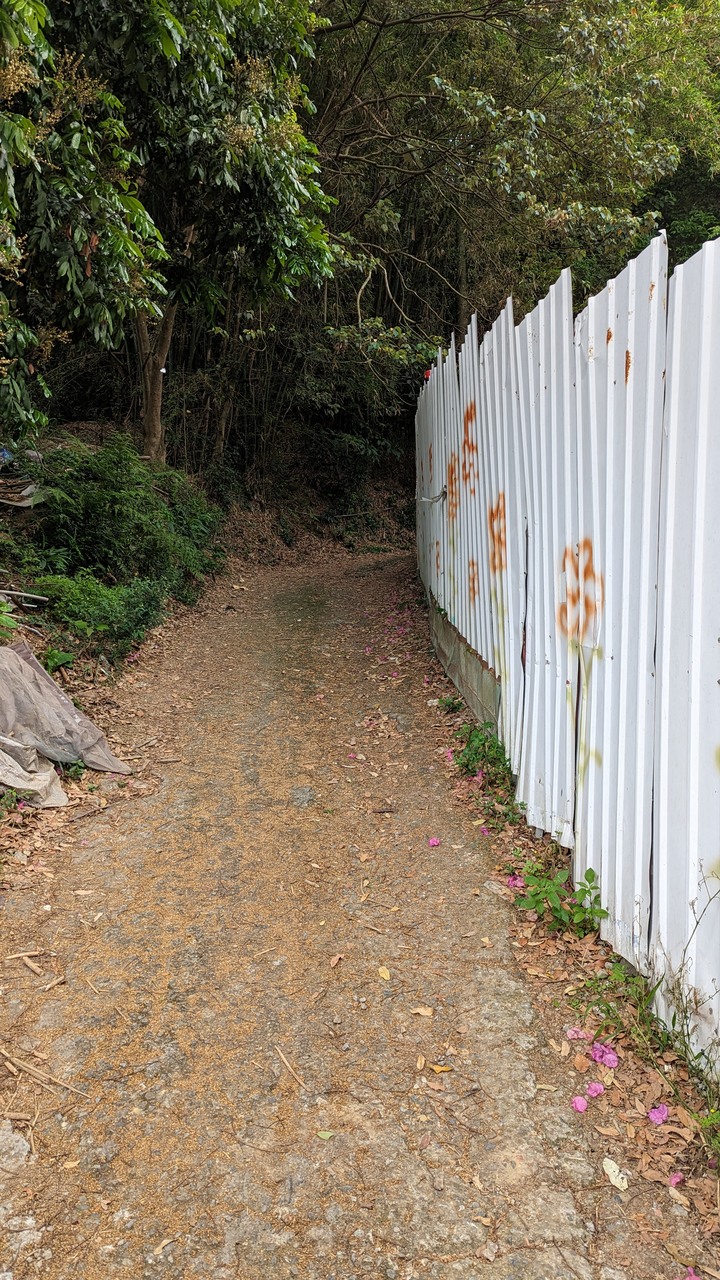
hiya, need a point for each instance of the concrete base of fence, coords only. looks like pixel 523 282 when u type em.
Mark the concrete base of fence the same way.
pixel 476 682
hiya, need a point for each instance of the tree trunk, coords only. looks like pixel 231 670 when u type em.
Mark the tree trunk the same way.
pixel 153 353
pixel 221 429
pixel 463 308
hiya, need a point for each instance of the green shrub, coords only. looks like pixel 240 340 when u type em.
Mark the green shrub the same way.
pixel 107 619
pixel 108 512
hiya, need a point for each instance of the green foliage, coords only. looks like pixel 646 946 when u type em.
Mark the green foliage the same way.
pixel 710 1131
pixel 8 801
pixel 452 703
pixel 53 659
pixel 483 759
pixel 107 620
pixel 622 1000
pixel 557 903
pixel 484 753
pixel 111 540
pixel 78 250
pixel 106 511
pixel 74 771
pixel 7 622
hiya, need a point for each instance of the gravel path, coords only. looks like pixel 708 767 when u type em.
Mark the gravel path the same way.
pixel 300 1057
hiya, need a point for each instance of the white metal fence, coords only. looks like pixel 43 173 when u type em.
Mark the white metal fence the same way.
pixel 568 522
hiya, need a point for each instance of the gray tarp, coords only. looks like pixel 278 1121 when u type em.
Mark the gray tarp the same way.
pixel 39 724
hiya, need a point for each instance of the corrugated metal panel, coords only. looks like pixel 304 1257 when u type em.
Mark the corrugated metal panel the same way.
pixel 620 344
pixel 453 539
pixel 686 861
pixel 552 453
pixel 547 416
pixel 514 528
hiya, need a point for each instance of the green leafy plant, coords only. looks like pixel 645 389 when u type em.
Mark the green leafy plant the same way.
pixel 74 771
pixel 7 622
pixel 56 658
pixel 556 902
pixel 105 619
pixel 451 703
pixel 483 752
pixel 8 801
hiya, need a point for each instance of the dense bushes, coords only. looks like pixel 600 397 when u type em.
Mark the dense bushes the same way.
pixel 112 514
pixel 103 618
pixel 109 541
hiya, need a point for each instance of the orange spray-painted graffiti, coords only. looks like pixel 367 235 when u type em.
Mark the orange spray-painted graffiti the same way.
pixel 498 545
pixel 453 486
pixel 469 449
pixel 473 580
pixel 585 592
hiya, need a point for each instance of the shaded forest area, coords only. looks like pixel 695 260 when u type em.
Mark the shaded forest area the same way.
pixel 235 232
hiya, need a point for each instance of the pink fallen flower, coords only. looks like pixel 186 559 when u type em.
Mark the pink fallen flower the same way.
pixel 579 1104
pixel 515 882
pixel 604 1054
pixel 575 1033
pixel 675 1179
pixel 433 842
pixel 484 831
pixel 449 755
pixel 594 1089
pixel 658 1115
pixel 368 648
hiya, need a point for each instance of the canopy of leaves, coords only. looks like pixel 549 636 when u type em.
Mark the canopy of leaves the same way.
pixel 144 150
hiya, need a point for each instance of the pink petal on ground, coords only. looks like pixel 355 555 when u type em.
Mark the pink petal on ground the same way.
pixel 516 882
pixel 658 1115
pixel 575 1033
pixel 594 1089
pixel 433 842
pixel 449 755
pixel 610 1058
pixel 579 1104
pixel 676 1178
pixel 484 831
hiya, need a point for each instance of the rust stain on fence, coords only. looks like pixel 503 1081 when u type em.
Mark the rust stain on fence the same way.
pixel 585 591
pixel 453 486
pixel 496 525
pixel 469 449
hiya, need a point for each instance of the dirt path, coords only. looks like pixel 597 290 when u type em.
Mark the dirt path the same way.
pixel 258 958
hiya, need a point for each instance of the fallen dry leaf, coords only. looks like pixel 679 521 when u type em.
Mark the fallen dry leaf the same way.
pixel 162 1246
pixel 420 1063
pixel 438 1070
pixel 614 1174
pixel 581 1063
pixel 384 973
pixel 336 960
pixel 423 1011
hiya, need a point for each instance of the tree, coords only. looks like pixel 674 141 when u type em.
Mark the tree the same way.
pixel 78 251
pixel 211 94
pixel 477 149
